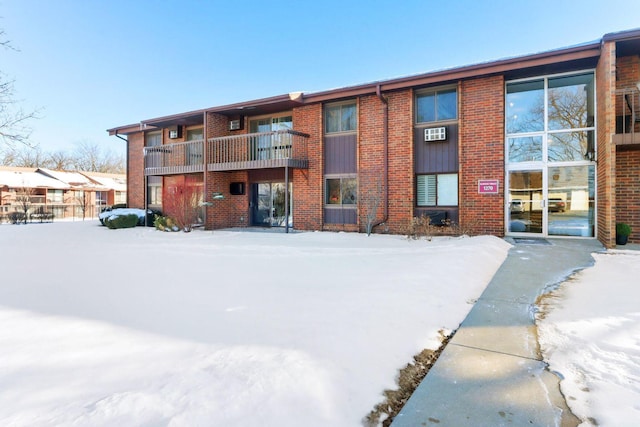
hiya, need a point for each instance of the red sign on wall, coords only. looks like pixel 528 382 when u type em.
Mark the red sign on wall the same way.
pixel 488 186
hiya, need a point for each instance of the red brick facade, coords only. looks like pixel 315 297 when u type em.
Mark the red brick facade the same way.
pixel 386 154
pixel 482 154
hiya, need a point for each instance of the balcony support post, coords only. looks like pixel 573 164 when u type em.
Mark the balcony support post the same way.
pixel 205 156
pixel 286 198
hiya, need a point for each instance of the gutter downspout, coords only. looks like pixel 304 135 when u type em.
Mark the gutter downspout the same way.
pixel 385 156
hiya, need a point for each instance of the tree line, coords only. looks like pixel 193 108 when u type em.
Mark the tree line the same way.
pixel 86 156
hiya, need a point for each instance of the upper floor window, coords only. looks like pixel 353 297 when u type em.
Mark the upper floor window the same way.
pixel 340 118
pixel 436 105
pixel 551 119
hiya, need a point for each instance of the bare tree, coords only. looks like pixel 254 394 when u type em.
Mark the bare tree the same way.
pixel 59 160
pixel 83 200
pixel 28 157
pixel 183 204
pixel 13 120
pixel 371 197
pixel 91 157
pixel 23 197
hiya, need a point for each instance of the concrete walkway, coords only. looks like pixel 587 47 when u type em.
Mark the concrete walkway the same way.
pixel 491 373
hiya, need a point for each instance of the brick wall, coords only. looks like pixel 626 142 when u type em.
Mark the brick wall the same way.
pixel 401 163
pixel 606 153
pixel 627 162
pixel 135 171
pixel 308 183
pixel 482 154
pixel 628 191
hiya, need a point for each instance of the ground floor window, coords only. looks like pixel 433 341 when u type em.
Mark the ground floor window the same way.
pixel 154 191
pixel 341 191
pixel 437 190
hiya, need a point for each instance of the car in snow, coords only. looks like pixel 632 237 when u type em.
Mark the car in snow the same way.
pixel 110 213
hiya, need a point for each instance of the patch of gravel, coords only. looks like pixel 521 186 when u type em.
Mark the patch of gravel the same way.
pixel 408 380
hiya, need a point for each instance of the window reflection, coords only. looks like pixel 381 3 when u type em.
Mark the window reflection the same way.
pixel 525 107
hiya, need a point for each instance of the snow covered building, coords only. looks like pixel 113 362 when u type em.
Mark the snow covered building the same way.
pixel 546 144
pixel 59 194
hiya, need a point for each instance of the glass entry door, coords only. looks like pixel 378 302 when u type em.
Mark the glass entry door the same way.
pixel 555 201
pixel 525 212
pixel 268 204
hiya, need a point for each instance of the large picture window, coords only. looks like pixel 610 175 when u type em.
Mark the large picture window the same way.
pixel 437 190
pixel 551 119
pixel 341 191
pixel 436 106
pixel 340 118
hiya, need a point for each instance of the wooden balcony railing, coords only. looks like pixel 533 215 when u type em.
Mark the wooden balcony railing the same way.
pixel 627 116
pixel 248 151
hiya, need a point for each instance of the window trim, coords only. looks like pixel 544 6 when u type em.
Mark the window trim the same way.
pixel 353 102
pixel 326 191
pixel 435 90
pixel 437 204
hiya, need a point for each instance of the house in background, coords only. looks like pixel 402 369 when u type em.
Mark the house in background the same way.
pixel 60 194
pixel 538 145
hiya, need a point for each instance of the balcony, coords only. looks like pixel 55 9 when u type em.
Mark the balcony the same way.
pixel 627 117
pixel 239 152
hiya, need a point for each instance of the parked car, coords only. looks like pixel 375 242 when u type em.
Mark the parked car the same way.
pixel 517 206
pixel 110 212
pixel 557 205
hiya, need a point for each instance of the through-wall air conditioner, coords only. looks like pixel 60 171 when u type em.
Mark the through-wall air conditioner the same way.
pixel 234 124
pixel 435 134
pixel 175 132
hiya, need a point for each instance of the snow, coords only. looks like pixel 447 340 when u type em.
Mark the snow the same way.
pixel 138 327
pixel 590 334
pixel 31 179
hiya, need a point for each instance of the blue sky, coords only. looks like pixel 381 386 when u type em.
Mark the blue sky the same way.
pixel 91 65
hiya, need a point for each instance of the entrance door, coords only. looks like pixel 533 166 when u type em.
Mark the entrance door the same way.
pixel 268 204
pixel 555 201
pixel 525 211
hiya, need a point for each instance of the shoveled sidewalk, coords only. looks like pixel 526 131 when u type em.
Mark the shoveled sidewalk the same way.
pixel 491 372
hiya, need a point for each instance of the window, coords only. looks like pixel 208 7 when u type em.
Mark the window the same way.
pixel 54 196
pixel 342 191
pixel 194 149
pixel 551 119
pixel 154 190
pixel 277 146
pixel 437 190
pixel 436 106
pixel 340 118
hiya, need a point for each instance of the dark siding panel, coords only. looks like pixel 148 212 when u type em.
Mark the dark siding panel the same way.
pixel 340 154
pixel 340 216
pixel 435 157
pixel 268 175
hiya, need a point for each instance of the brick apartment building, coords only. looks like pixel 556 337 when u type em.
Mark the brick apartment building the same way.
pixel 538 145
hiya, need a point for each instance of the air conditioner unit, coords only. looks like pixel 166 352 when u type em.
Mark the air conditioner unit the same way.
pixel 234 124
pixel 435 134
pixel 175 132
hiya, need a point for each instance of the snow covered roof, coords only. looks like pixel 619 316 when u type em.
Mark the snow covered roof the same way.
pixel 30 179
pixel 73 179
pixel 117 182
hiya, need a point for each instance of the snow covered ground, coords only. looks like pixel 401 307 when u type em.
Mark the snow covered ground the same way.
pixel 590 333
pixel 138 327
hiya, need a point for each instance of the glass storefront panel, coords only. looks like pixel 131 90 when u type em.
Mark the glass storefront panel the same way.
pixel 525 149
pixel 571 200
pixel 570 102
pixel 525 107
pixel 525 211
pixel 569 146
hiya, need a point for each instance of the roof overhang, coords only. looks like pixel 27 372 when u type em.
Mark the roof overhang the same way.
pixel 577 54
pixel 584 55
